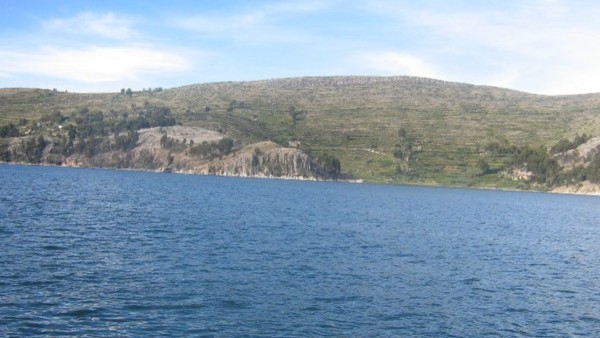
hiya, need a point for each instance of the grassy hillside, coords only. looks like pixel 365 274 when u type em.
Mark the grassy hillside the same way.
pixel 382 129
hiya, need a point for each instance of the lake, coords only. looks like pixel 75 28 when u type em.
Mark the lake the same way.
pixel 118 253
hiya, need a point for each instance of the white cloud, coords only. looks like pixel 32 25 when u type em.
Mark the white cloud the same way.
pixel 543 46
pixel 107 25
pixel 297 7
pixel 505 79
pixel 265 24
pixel 215 24
pixel 396 63
pixel 573 79
pixel 93 64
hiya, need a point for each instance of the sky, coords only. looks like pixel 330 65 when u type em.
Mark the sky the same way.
pixel 538 46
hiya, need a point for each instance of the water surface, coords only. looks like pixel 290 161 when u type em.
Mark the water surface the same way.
pixel 99 252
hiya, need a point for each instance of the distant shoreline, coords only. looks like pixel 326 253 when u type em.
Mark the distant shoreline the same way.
pixel 562 190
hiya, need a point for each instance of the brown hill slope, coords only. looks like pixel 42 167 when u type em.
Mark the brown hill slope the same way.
pixel 445 126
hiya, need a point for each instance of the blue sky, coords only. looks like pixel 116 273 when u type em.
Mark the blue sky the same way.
pixel 543 46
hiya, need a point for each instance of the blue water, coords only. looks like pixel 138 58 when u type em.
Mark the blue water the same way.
pixel 98 252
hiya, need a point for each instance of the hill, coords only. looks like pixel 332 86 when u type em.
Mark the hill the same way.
pixel 381 129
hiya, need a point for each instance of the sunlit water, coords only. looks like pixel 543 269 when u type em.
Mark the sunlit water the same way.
pixel 97 252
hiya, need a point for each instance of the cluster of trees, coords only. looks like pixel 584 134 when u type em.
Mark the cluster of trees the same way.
pixel 127 141
pixel 30 150
pixel 565 145
pixel 89 133
pixel 590 172
pixel 89 124
pixel 544 168
pixel 95 145
pixel 234 104
pixel 85 132
pixel 541 163
pixel 294 114
pixel 538 161
pixel 9 130
pixel 5 154
pixel 167 142
pixel 127 92
pixel 404 147
pixel 206 150
pixel 152 90
pixel 330 164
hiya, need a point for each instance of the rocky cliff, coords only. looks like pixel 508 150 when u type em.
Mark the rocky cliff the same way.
pixel 266 159
pixel 180 150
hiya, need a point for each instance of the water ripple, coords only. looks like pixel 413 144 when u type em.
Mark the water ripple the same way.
pixel 107 253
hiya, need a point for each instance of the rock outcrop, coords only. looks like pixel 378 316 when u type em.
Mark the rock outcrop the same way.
pixel 266 159
pixel 178 149
pixel 580 156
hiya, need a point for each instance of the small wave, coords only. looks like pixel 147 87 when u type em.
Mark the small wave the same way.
pixel 484 290
pixel 589 319
pixel 336 299
pixel 471 281
pixel 404 255
pixel 43 304
pixel 53 247
pixel 5 231
pixel 234 304
pixel 517 332
pixel 145 307
pixel 35 283
pixel 516 310
pixel 312 308
pixel 416 261
pixel 398 316
pixel 82 312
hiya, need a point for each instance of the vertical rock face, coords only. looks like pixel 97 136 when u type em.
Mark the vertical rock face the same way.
pixel 277 162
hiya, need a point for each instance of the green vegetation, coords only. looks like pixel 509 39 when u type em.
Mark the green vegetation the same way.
pixel 330 164
pixel 9 130
pixel 381 129
pixel 566 145
pixel 83 132
pixel 206 150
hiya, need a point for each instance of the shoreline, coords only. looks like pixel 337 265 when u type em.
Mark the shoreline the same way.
pixel 561 190
pixel 187 172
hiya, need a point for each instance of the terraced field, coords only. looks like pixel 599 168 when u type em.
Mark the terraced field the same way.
pixel 446 125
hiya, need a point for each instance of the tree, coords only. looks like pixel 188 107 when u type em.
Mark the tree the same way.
pixel 593 170
pixel 146 160
pixel 293 114
pixel 225 145
pixel 164 141
pixel 404 148
pixel 71 133
pixel 544 167
pixel 31 149
pixel 126 142
pixel 402 134
pixel 330 164
pixel 484 167
pixel 128 92
pixel 9 130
